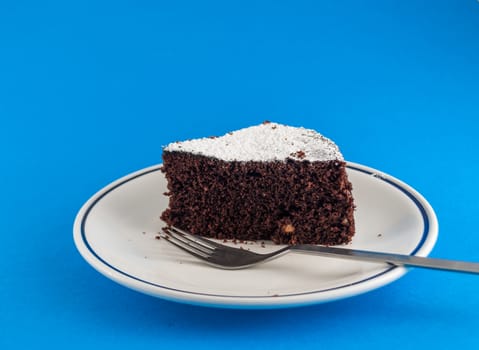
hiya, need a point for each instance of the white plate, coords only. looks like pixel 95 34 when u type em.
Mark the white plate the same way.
pixel 116 232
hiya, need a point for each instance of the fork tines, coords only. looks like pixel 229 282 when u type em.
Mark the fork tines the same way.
pixel 200 247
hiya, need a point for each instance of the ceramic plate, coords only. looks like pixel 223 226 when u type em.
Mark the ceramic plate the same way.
pixel 116 231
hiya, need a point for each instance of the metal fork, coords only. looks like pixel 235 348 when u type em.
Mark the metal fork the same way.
pixel 225 257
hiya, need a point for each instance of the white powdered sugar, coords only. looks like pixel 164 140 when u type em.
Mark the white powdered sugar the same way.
pixel 264 142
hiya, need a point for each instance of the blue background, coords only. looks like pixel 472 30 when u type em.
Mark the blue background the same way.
pixel 90 91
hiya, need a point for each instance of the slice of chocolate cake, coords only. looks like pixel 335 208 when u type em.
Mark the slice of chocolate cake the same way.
pixel 266 182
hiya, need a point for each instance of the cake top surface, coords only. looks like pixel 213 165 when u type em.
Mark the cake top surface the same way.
pixel 265 142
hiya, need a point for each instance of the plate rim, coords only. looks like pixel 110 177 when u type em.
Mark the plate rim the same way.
pixel 384 277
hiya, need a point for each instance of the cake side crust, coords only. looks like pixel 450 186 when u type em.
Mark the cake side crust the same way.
pixel 288 202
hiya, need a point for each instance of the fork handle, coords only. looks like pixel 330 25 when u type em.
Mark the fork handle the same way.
pixel 395 259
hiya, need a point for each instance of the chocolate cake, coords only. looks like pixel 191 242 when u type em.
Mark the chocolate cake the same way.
pixel 266 182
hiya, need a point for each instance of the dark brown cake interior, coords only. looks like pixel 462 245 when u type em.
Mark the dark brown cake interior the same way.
pixel 290 202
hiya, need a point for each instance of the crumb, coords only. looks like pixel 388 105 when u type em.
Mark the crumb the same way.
pixel 274 127
pixel 266 122
pixel 299 154
pixel 225 240
pixel 157 237
pixel 263 245
pixel 380 234
pixel 213 137
pixel 235 241
pixel 288 228
pixel 144 232
pixel 275 295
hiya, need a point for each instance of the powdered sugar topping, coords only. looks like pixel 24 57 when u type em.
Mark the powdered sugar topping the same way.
pixel 264 142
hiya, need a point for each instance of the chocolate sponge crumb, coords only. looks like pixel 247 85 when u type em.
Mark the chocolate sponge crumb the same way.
pixel 288 202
